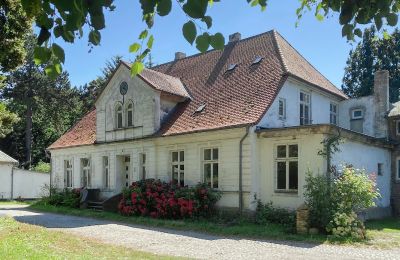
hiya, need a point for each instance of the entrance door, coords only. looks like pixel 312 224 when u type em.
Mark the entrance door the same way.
pixel 126 171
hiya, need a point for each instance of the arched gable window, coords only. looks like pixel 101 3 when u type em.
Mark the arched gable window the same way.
pixel 129 114
pixel 118 116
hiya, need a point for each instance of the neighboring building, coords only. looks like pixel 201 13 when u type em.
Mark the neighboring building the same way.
pixel 248 120
pixel 20 184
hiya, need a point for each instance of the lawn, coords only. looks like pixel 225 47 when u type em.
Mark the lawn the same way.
pixel 21 241
pixel 381 234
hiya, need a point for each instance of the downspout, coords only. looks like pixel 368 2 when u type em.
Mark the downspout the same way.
pixel 241 170
pixel 12 182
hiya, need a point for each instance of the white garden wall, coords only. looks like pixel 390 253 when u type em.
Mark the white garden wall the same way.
pixel 5 180
pixel 29 184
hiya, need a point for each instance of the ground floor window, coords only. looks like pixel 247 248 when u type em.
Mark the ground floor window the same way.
pixel 106 172
pixel 287 167
pixel 142 158
pixel 178 167
pixel 68 173
pixel 86 175
pixel 210 167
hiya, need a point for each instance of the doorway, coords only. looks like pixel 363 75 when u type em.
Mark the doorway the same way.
pixel 124 172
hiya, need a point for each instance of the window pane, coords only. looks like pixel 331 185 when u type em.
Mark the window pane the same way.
pixel 207 154
pixel 398 169
pixel 119 120
pixel 175 172
pixel 174 156
pixel 293 175
pixel 281 175
pixel 215 154
pixel 207 174
pixel 130 117
pixel 143 158
pixel 182 156
pixel 281 151
pixel 215 175
pixel 293 150
pixel 182 175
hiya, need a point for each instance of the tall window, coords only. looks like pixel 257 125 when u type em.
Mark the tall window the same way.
pixel 68 173
pixel 85 177
pixel 397 127
pixel 333 114
pixel 398 169
pixel 305 113
pixel 129 114
pixel 118 116
pixel 142 158
pixel 287 167
pixel 282 108
pixel 210 167
pixel 106 172
pixel 380 169
pixel 178 167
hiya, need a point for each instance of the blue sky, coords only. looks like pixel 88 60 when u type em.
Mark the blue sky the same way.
pixel 319 42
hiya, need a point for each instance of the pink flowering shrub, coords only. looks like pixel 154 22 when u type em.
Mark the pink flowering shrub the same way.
pixel 167 200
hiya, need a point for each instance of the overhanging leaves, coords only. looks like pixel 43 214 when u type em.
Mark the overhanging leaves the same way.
pixel 189 31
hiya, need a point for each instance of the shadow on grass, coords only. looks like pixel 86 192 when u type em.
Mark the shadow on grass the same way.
pixel 383 224
pixel 199 229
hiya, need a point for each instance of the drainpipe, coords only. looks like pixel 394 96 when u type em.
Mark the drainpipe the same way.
pixel 12 182
pixel 241 170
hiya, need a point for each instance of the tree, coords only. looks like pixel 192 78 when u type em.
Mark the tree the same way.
pixel 14 26
pixel 48 107
pixel 370 55
pixel 7 120
pixel 68 19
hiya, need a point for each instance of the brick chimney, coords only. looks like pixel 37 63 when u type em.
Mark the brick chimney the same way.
pixel 235 37
pixel 180 55
pixel 381 101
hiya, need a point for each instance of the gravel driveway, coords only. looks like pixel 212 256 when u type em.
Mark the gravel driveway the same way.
pixel 191 244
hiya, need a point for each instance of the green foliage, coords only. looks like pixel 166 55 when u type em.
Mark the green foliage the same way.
pixel 370 55
pixel 267 213
pixel 334 203
pixel 7 120
pixel 67 198
pixel 68 19
pixel 14 26
pixel 42 167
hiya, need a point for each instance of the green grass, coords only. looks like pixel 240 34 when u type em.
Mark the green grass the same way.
pixel 238 228
pixel 15 202
pixel 21 241
pixel 380 234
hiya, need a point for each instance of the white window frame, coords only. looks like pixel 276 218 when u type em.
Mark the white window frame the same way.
pixel 129 111
pixel 283 114
pixel 143 166
pixel 106 172
pixel 333 114
pixel 357 117
pixel 119 111
pixel 397 122
pixel 211 162
pixel 397 168
pixel 287 161
pixel 68 173
pixel 86 173
pixel 178 165
pixel 303 104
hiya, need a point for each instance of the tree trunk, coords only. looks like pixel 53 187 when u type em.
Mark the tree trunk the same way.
pixel 28 135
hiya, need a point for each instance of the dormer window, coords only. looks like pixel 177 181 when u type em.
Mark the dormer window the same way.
pixel 118 116
pixel 129 114
pixel 357 114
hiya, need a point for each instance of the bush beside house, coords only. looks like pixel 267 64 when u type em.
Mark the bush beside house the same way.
pixel 159 199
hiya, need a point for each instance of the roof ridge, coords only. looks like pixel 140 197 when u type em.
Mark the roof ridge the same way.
pixel 291 46
pixel 281 58
pixel 201 53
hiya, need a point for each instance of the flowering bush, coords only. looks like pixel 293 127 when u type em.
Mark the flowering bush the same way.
pixel 346 225
pixel 167 200
pixel 334 203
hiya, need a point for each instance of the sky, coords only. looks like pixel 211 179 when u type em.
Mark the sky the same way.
pixel 320 43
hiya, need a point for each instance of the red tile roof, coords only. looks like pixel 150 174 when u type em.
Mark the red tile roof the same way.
pixel 231 98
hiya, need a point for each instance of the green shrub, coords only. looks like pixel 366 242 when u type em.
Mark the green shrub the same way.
pixel 267 213
pixel 334 203
pixel 42 167
pixel 67 197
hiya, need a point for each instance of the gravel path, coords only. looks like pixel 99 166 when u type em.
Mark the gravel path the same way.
pixel 190 244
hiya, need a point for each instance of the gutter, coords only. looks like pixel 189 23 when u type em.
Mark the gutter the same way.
pixel 241 170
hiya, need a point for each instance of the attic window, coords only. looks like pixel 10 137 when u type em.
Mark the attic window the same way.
pixel 231 67
pixel 257 60
pixel 200 108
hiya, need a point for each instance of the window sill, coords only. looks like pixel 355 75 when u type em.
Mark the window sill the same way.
pixel 125 128
pixel 287 192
